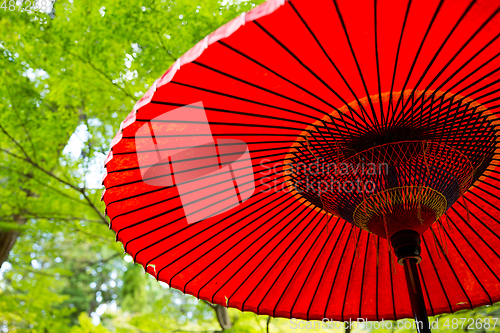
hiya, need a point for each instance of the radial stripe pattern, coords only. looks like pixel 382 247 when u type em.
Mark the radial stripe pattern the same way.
pixel 288 81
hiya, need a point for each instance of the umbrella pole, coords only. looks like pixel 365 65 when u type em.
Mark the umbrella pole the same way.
pixel 416 296
pixel 406 244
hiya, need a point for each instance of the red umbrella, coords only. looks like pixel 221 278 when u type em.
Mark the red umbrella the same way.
pixel 268 167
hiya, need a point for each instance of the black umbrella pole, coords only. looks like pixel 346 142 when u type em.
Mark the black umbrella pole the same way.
pixel 416 296
pixel 406 246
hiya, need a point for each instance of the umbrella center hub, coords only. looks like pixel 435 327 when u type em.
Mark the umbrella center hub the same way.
pixel 396 186
pixel 399 175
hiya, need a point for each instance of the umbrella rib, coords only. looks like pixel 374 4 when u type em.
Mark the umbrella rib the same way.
pixel 194 159
pixel 165 225
pixel 189 181
pixel 272 238
pixel 166 212
pixel 420 50
pixel 363 275
pixel 401 97
pixel 221 123
pixel 376 277
pixel 302 64
pixel 426 290
pixel 488 93
pixel 234 245
pixel 449 123
pixel 345 126
pixel 327 239
pixel 484 181
pixel 476 91
pixel 471 72
pixel 177 220
pixel 276 73
pixel 484 211
pixel 430 108
pixel 260 87
pixel 175 197
pixel 451 268
pixel 389 256
pixel 473 230
pixel 437 274
pixel 340 113
pixel 357 240
pixel 465 261
pixel 289 260
pixel 467 240
pixel 287 142
pixel 220 242
pixel 324 269
pixel 390 104
pixel 461 18
pixel 274 248
pixel 463 47
pixel 227 228
pixel 330 60
pixel 379 85
pixel 336 272
pixel 344 27
pixel 301 262
pixel 238 98
pixel 185 182
pixel 475 70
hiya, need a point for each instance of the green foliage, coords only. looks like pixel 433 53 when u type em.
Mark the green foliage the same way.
pixel 71 75
pixel 86 326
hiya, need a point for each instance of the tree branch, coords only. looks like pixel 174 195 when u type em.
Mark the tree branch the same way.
pixel 80 190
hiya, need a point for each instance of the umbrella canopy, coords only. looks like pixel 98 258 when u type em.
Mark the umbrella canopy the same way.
pixel 267 169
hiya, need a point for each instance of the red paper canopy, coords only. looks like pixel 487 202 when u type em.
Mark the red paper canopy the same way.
pixel 198 184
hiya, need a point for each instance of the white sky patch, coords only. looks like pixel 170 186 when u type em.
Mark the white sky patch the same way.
pixel 101 309
pixel 102 11
pixel 95 318
pixel 44 6
pixel 231 2
pixel 128 60
pixel 136 48
pixel 73 150
pixel 6 266
pixel 34 74
pixel 77 142
pixel 35 264
pixel 95 171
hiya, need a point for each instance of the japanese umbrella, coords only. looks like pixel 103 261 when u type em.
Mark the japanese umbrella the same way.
pixel 330 159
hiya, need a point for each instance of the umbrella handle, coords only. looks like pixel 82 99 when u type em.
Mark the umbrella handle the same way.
pixel 406 244
pixel 416 296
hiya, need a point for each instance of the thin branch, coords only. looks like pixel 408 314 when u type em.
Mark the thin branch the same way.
pixel 21 121
pixel 80 190
pixel 43 184
pixel 100 72
pixel 30 161
pixel 209 304
pixel 15 142
pixel 107 239
pixel 41 273
pixel 48 217
pixel 88 263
